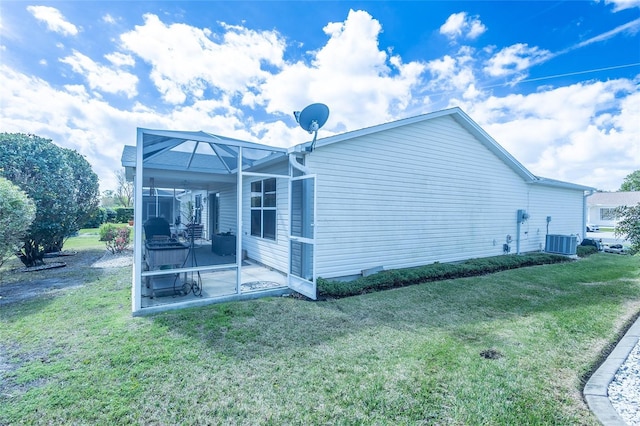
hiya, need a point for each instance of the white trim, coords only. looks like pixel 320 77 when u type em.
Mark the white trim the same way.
pixel 297 283
pixel 266 175
pixel 225 266
pixel 239 224
pixel 136 289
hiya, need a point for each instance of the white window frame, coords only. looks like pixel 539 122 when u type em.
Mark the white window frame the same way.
pixel 262 196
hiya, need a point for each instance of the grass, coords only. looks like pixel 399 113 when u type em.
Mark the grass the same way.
pixel 88 238
pixel 404 356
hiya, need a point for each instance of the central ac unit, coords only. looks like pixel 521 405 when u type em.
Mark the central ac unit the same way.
pixel 562 244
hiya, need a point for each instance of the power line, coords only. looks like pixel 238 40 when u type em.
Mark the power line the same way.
pixel 527 80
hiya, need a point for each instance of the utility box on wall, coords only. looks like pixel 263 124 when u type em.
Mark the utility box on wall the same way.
pixel 562 244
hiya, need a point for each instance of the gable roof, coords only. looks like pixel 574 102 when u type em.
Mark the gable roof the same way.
pixel 468 124
pixel 622 198
pixel 174 158
pixel 182 151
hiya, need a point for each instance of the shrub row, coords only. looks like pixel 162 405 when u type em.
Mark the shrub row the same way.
pixel 108 215
pixel 434 272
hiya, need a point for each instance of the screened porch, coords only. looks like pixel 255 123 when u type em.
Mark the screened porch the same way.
pixel 212 220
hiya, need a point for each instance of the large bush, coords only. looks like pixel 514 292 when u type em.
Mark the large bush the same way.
pixel 17 211
pixel 97 218
pixel 59 181
pixel 111 215
pixel 124 214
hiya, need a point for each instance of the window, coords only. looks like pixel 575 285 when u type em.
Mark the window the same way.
pixel 607 214
pixel 263 208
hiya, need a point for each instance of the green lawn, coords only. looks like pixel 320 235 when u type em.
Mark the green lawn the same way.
pixel 404 356
pixel 86 239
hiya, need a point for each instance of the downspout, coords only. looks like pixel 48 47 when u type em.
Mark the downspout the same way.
pixel 294 163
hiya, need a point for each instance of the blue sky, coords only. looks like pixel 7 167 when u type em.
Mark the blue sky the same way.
pixel 555 83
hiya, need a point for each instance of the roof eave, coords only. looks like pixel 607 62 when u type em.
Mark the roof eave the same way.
pixel 561 184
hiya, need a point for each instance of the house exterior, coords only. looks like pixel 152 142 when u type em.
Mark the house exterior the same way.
pixel 158 202
pixel 601 206
pixel 432 188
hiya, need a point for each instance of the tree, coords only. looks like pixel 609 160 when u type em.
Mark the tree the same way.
pixel 84 200
pixel 59 181
pixel 17 211
pixel 628 225
pixel 631 182
pixel 124 192
pixel 108 198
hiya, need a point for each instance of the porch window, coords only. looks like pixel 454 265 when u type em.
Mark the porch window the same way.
pixel 607 214
pixel 263 208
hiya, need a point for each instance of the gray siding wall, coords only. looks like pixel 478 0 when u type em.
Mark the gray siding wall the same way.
pixel 269 252
pixel 423 193
pixel 565 208
pixel 227 208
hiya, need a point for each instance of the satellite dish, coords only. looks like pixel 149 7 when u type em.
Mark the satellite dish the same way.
pixel 312 118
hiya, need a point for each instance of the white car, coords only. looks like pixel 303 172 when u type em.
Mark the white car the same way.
pixel 592 228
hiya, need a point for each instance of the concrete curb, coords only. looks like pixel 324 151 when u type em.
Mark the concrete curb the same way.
pixel 596 391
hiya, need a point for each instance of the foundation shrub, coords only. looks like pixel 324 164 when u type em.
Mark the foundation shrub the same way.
pixel 434 272
pixel 584 251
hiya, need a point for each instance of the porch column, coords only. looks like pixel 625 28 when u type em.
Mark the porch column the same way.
pixel 136 289
pixel 239 224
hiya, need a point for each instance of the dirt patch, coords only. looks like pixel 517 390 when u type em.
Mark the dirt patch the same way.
pixel 117 260
pixel 44 267
pixel 22 291
pixel 17 285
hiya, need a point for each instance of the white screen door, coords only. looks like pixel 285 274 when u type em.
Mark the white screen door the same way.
pixel 302 236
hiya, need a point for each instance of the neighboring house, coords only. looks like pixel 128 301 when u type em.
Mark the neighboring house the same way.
pixel 432 188
pixel 601 206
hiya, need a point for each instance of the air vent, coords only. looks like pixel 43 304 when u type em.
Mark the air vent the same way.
pixel 562 244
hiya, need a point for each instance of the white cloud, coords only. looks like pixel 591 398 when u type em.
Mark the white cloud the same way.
pixel 563 132
pixel 514 59
pixel 452 72
pixel 102 78
pixel 55 21
pixel 77 119
pixel 460 25
pixel 108 19
pixel 120 59
pixel 630 27
pixel 187 60
pixel 619 5
pixel 361 84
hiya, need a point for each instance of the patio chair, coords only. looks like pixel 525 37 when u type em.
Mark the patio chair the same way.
pixel 194 231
